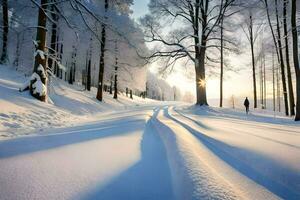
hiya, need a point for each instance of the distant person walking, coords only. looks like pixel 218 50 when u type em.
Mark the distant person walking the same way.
pixel 247 104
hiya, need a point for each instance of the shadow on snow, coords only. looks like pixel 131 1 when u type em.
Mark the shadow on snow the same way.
pixel 78 134
pixel 222 150
pixel 150 178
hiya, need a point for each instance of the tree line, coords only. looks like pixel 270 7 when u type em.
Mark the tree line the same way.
pixel 73 40
pixel 197 36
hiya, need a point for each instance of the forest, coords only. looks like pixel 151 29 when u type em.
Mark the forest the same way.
pixel 86 41
pixel 149 99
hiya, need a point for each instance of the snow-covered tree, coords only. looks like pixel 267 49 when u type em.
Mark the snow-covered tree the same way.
pixel 38 80
pixel 158 88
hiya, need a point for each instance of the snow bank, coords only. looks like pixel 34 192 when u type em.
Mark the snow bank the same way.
pixel 20 113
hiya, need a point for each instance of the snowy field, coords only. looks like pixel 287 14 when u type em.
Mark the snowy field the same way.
pixel 69 105
pixel 140 149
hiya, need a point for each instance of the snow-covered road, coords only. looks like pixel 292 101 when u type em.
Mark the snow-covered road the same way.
pixel 162 152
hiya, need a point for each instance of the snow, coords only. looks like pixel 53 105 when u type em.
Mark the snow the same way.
pixel 41 70
pixel 21 114
pixel 62 67
pixel 40 53
pixel 77 161
pixel 36 44
pixel 79 148
pixel 38 86
pixel 262 157
pixel 24 86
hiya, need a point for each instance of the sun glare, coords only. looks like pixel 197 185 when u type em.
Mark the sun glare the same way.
pixel 201 82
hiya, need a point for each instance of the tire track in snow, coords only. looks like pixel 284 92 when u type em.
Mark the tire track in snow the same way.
pixel 255 124
pixel 244 132
pixel 149 178
pixel 237 164
pixel 192 177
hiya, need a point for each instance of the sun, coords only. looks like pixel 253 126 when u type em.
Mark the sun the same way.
pixel 202 82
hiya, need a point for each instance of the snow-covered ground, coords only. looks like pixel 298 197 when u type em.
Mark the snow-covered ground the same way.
pixel 21 114
pixel 141 149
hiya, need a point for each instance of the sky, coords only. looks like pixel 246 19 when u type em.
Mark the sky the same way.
pixel 140 8
pixel 237 84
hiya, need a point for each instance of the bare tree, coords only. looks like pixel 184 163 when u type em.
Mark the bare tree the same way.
pixel 276 46
pixel 72 70
pixel 116 71
pixel 222 62
pixel 282 66
pixel 273 81
pixel 264 83
pixel 88 73
pixel 232 101
pixel 262 75
pixel 224 42
pixel 201 18
pixel 278 89
pixel 102 53
pixel 295 57
pixel 252 33
pixel 123 7
pixel 287 54
pixel 4 56
pixel 52 50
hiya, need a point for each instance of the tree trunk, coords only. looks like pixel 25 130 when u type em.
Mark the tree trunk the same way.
pixel 265 84
pixel 116 71
pixel 283 79
pixel 200 78
pixel 277 54
pixel 89 66
pixel 18 50
pixel 4 56
pixel 253 62
pixel 273 82
pixel 287 54
pixel 66 70
pixel 295 58
pixel 41 40
pixel 101 67
pixel 278 88
pixel 71 76
pixel 200 49
pixel 116 84
pixel 88 78
pixel 222 66
pixel 74 72
pixel 60 59
pixel 111 85
pixel 261 83
pixel 73 65
pixel 272 31
pixel 101 64
pixel 53 39
pixel 57 54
